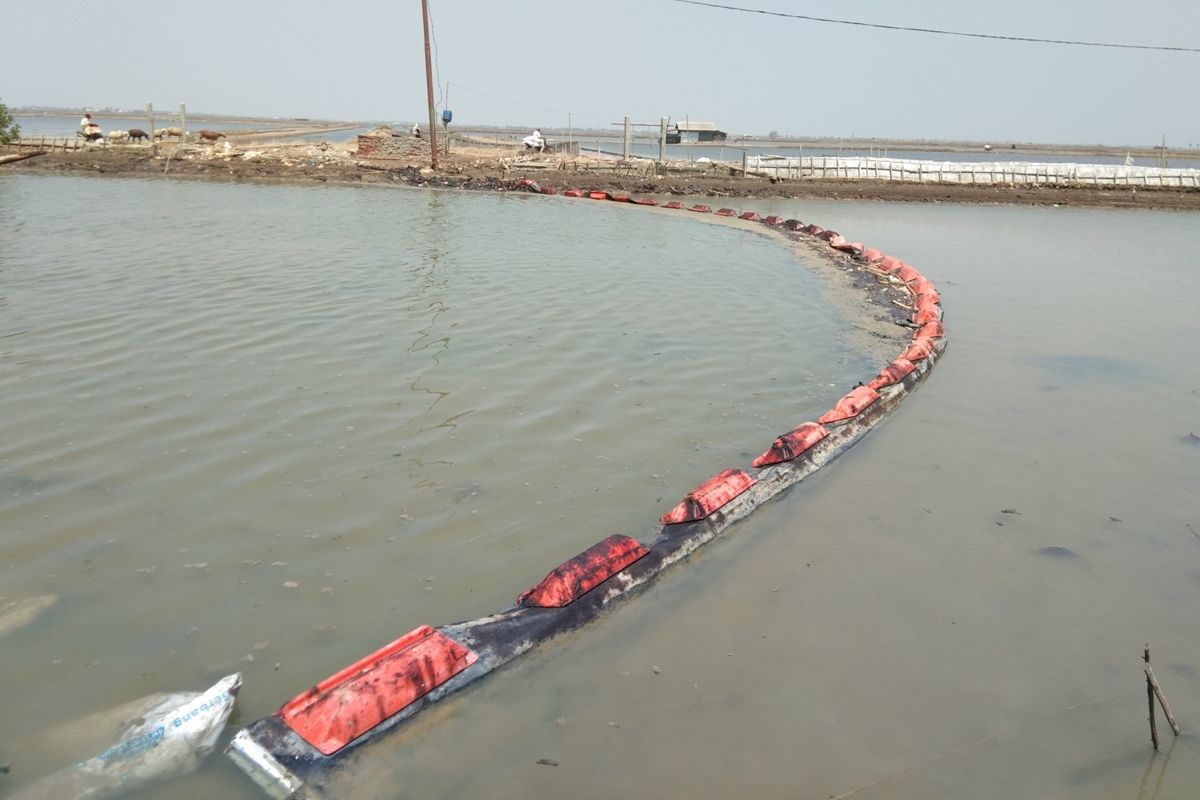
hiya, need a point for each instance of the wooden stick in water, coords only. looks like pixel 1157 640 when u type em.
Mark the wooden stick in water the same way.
pixel 1154 690
pixel 1150 698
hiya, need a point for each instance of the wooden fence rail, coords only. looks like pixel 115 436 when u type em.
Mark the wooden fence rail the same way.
pixel 997 173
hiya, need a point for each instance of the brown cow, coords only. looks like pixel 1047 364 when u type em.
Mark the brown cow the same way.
pixel 163 133
pixel 209 136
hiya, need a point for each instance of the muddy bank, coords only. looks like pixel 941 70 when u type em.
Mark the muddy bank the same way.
pixel 330 163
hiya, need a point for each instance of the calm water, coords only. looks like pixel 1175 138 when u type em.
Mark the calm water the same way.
pixel 412 404
pixel 998 154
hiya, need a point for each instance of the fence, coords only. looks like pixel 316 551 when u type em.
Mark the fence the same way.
pixel 1009 173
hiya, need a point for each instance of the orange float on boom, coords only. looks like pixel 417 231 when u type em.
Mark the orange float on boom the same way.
pixel 893 373
pixel 709 496
pixel 921 348
pixel 930 330
pixel 351 702
pixel 792 444
pixel 851 405
pixel 572 579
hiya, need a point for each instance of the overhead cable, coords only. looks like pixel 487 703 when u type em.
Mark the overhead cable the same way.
pixel 938 31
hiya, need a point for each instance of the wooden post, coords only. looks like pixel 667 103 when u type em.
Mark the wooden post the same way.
pixel 150 124
pixel 625 138
pixel 182 125
pixel 662 139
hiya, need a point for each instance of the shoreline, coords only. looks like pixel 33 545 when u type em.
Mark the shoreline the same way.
pixel 324 162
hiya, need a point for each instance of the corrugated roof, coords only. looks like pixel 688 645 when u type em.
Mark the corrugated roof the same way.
pixel 692 125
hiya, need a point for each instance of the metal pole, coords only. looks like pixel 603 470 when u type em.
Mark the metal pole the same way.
pixel 429 85
pixel 182 124
pixel 625 149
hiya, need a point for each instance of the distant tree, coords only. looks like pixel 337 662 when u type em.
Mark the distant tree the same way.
pixel 773 134
pixel 9 129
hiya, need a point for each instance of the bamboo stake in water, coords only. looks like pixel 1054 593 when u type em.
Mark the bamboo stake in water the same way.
pixel 1150 699
pixel 1154 690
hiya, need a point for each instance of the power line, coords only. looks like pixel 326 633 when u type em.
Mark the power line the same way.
pixel 938 31
pixel 524 105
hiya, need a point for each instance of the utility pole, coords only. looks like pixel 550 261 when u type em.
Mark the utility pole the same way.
pixel 429 85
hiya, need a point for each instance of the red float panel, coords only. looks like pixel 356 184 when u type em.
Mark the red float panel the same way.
pixel 673 204
pixel 549 190
pixel 701 208
pixel 792 444
pixel 774 219
pixel 726 212
pixel 619 198
pixel 922 348
pixel 893 373
pixel 751 216
pixel 572 193
pixel 645 202
pixel 872 255
pixel 930 330
pixel 928 310
pixel 572 579
pixel 851 405
pixel 709 496
pixel 907 273
pixel 598 195
pixel 890 264
pixel 349 703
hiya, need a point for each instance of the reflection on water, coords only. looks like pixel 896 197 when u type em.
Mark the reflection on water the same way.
pixel 281 426
pixel 273 428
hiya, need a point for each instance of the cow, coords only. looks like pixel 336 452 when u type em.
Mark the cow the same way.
pixel 117 136
pixel 209 136
pixel 137 134
pixel 162 133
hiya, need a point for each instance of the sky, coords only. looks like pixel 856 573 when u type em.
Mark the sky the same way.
pixel 589 64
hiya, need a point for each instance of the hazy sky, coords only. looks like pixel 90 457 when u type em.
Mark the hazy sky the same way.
pixel 530 64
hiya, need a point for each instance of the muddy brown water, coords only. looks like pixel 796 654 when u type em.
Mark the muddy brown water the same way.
pixel 411 405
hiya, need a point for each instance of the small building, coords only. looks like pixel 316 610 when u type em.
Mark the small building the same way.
pixel 690 132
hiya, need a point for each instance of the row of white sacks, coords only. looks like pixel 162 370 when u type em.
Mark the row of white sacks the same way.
pixel 999 172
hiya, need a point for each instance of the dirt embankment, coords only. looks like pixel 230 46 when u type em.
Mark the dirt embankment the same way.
pixel 244 159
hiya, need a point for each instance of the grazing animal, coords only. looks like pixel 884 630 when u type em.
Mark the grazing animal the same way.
pixel 118 136
pixel 137 134
pixel 210 136
pixel 162 133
